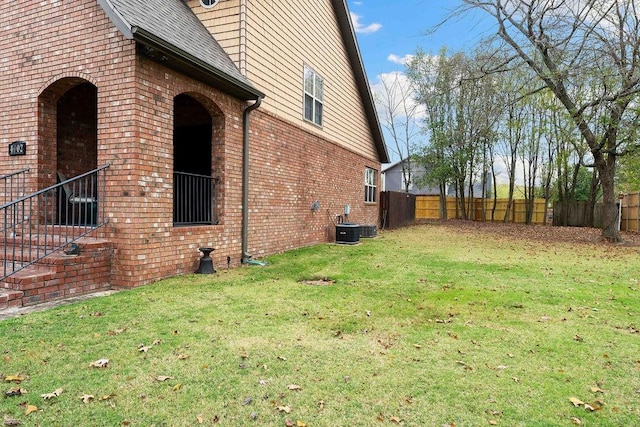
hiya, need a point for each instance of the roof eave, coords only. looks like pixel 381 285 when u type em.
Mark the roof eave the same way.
pixel 195 67
pixel 351 43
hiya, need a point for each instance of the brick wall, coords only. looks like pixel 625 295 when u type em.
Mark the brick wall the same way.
pixel 45 43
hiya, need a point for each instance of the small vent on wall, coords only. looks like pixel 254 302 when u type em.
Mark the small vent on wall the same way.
pixel 209 3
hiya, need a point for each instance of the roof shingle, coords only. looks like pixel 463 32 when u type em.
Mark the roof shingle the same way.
pixel 175 26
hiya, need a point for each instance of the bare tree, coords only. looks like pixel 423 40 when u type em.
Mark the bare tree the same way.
pixel 567 43
pixel 399 116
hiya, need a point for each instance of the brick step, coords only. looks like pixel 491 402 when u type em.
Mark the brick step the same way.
pixel 34 241
pixel 10 299
pixel 52 236
pixel 59 276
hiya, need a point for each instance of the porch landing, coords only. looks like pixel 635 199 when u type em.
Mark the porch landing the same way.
pixel 59 276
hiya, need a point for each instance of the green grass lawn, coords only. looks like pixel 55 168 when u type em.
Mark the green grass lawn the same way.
pixel 425 326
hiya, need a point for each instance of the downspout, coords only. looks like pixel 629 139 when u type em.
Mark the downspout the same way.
pixel 245 179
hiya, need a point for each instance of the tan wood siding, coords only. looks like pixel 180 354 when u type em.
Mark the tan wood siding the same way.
pixel 281 37
pixel 223 21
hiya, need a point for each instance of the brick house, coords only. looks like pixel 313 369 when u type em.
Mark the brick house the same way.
pixel 234 124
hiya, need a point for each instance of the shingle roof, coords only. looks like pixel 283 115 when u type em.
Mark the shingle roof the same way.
pixel 171 26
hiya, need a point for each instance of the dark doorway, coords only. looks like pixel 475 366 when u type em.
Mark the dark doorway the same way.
pixel 194 187
pixel 77 153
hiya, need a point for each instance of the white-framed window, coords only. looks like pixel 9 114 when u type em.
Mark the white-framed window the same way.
pixel 209 3
pixel 370 188
pixel 313 89
pixel 407 181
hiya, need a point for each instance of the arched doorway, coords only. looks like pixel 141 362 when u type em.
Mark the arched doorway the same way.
pixel 194 191
pixel 68 141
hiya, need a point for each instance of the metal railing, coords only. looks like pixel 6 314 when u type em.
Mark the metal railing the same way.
pixel 36 225
pixel 194 199
pixel 13 185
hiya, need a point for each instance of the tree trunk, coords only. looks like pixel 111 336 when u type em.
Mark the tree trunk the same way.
pixel 443 201
pixel 610 209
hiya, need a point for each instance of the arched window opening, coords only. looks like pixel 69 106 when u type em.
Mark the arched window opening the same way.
pixel 194 192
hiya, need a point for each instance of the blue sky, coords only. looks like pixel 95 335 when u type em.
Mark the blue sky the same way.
pixel 389 30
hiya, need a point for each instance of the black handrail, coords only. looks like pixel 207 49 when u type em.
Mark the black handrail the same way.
pixel 13 184
pixel 36 225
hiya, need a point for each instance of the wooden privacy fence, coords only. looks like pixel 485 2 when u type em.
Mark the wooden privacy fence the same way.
pixel 396 209
pixel 576 214
pixel 630 218
pixel 428 207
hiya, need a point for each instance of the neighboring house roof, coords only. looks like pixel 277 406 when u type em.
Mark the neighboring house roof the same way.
pixel 388 166
pixel 350 41
pixel 172 33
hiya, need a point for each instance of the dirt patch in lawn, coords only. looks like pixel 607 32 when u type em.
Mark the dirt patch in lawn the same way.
pixel 325 281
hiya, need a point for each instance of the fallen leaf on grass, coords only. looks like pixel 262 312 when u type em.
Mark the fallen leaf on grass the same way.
pixel 14 378
pixel 163 378
pixel 57 392
pixel 107 396
pixel 282 358
pixel 143 348
pixel 177 387
pixel 30 409
pixel 396 420
pixel 15 391
pixel 284 409
pixel 576 402
pixel 183 356
pixel 116 331
pixel 576 421
pixel 86 398
pixel 11 422
pixel 418 346
pixel 156 342
pixel 321 405
pixel 294 387
pixel 597 390
pixel 100 363
pixel 493 422
pixel 301 424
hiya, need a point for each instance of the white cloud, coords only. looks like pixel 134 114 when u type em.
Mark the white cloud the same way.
pixel 361 28
pixel 402 60
pixel 392 90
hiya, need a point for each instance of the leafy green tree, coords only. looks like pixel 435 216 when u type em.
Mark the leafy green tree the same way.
pixel 570 44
